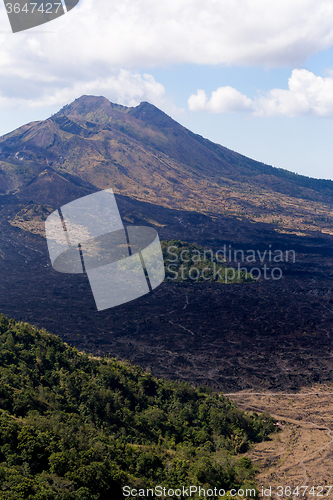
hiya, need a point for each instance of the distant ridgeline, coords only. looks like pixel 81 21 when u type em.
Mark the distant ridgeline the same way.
pixel 80 428
pixel 193 263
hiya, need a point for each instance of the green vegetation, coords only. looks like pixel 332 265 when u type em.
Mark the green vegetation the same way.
pixel 193 263
pixel 80 428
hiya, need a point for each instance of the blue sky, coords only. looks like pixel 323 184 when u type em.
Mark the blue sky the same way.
pixel 253 75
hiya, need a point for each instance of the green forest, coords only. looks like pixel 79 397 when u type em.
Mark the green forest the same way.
pixel 77 427
pixel 189 262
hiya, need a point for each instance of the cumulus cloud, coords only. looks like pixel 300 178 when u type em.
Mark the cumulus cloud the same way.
pixel 91 45
pixel 308 95
pixel 223 100
pixel 124 86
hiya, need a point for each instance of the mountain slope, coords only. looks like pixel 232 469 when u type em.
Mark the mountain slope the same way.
pixel 144 154
pixel 232 336
pixel 76 427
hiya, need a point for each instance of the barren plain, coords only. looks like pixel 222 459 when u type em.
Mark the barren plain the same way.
pixel 297 462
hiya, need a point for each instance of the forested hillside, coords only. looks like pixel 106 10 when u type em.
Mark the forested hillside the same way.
pixel 77 427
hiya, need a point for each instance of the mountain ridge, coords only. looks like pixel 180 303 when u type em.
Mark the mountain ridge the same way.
pixel 152 115
pixel 143 153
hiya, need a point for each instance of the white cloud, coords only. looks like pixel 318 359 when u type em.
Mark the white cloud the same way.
pixel 308 95
pixel 92 44
pixel 170 31
pixel 223 100
pixel 123 87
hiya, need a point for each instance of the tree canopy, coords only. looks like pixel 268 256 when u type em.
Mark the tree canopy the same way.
pixel 76 427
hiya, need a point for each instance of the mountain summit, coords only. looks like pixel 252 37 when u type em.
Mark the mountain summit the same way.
pixel 144 154
pixel 273 333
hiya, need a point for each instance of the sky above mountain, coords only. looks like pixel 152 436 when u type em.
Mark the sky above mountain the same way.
pixel 252 75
